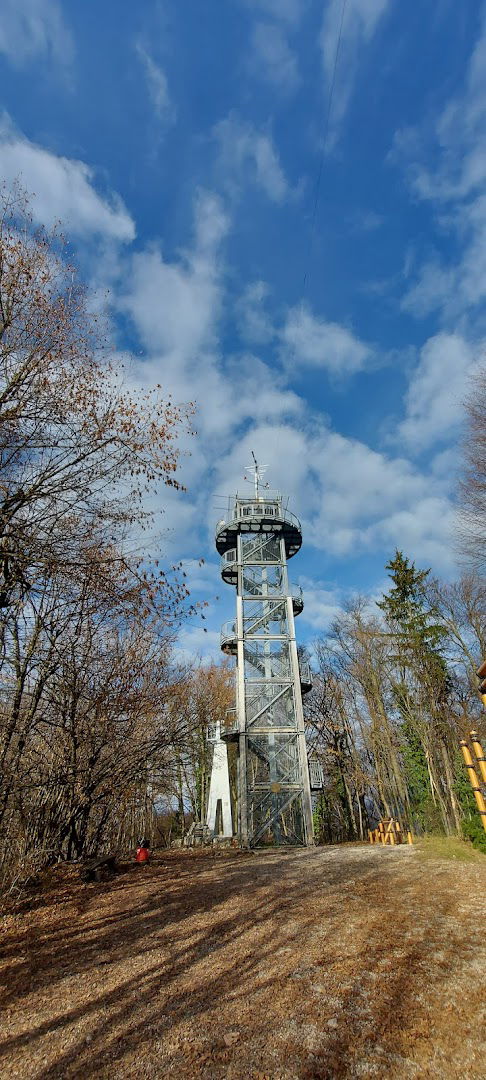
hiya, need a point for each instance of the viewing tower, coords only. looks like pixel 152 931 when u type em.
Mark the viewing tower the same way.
pixel 255 539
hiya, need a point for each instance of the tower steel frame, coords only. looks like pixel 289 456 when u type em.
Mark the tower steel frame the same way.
pixel 255 539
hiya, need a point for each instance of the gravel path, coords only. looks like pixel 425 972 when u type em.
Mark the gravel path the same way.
pixel 350 961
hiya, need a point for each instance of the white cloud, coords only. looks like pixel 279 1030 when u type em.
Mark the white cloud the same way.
pixel 313 342
pixel 367 221
pixel 446 166
pixel 461 136
pixel 322 605
pixel 249 157
pixel 437 390
pixel 370 501
pixel 436 282
pixel 359 23
pixel 63 189
pixel 157 86
pixel 195 643
pixel 272 59
pixel 202 577
pixel 254 322
pixel 350 498
pixel 175 305
pixel 425 531
pixel 30 28
pixel 260 393
pixel 283 447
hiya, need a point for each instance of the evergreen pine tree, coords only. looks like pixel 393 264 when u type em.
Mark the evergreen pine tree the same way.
pixel 421 687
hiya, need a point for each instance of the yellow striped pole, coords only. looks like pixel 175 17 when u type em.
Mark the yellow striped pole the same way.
pixel 474 781
pixel 479 752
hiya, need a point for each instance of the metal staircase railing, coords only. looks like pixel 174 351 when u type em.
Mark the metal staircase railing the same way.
pixel 266 617
pixel 266 704
pixel 277 813
pixel 269 665
pixel 258 546
pixel 228 637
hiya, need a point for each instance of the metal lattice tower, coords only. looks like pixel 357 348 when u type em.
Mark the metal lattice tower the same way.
pixel 255 539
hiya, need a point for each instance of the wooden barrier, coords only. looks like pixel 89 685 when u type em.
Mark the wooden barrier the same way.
pixel 473 776
pixel 389 831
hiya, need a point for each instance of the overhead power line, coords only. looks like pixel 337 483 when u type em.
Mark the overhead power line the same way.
pixel 325 136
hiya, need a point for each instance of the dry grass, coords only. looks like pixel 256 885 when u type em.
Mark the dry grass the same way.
pixel 354 961
pixel 447 847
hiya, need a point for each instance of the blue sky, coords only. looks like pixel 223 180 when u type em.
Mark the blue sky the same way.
pixel 317 288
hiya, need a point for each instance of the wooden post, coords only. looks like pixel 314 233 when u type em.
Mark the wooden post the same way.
pixel 398 829
pixel 370 836
pixel 479 752
pixel 381 828
pixel 473 779
pixel 409 838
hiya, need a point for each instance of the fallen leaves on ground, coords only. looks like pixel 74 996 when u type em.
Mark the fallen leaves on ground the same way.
pixel 351 961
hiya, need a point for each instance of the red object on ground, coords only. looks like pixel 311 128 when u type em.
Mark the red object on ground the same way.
pixel 143 855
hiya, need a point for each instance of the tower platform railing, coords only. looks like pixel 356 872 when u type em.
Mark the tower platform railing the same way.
pixel 259 516
pixel 259 511
pixel 306 681
pixel 230 726
pixel 228 638
pixel 229 566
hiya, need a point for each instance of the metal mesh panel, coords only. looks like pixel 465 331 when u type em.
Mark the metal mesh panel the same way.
pixel 266 659
pixel 263 581
pixel 272 758
pixel 270 706
pixel 316 773
pixel 265 617
pixel 260 547
pixel 276 817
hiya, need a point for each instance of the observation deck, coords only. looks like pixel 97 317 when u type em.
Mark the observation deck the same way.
pixel 258 516
pixel 228 639
pixel 305 678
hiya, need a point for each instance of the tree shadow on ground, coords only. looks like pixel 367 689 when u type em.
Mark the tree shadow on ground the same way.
pixel 180 930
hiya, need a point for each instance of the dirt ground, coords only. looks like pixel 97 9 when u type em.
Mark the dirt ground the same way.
pixel 349 961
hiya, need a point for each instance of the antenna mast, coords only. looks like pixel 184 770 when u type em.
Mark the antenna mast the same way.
pixel 257 471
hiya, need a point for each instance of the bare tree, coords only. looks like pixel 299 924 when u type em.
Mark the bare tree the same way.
pixel 86 626
pixel 201 699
